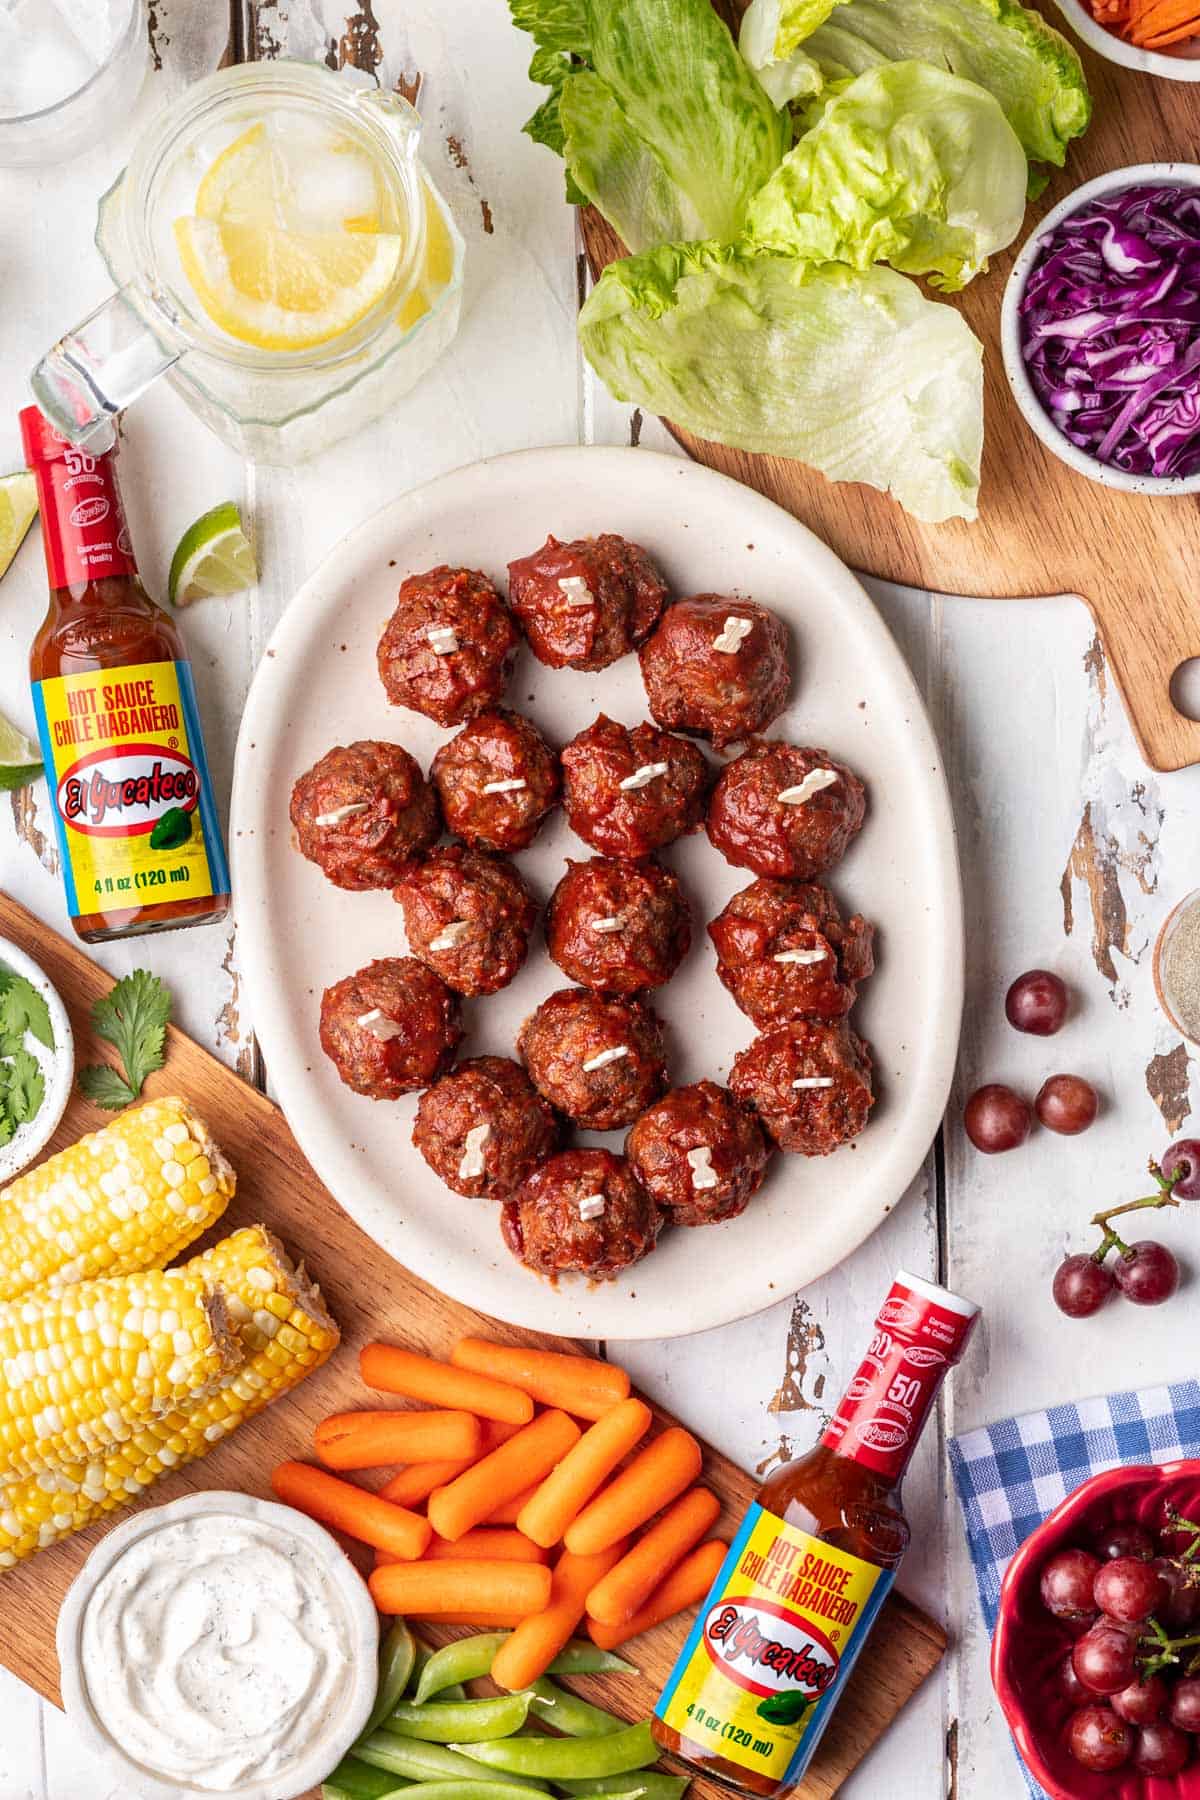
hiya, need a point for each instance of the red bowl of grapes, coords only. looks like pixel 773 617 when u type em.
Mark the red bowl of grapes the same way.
pixel 1096 1652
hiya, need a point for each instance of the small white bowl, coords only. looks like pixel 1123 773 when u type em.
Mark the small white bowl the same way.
pixel 57 1066
pixel 1177 65
pixel 1180 174
pixel 321 1756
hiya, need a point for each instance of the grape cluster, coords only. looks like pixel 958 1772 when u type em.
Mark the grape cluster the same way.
pixel 996 1117
pixel 1144 1271
pixel 1131 1604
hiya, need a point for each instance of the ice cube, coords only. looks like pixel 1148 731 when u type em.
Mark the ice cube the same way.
pixel 95 24
pixel 50 48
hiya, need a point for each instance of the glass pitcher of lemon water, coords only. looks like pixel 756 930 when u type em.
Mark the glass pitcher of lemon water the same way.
pixel 279 252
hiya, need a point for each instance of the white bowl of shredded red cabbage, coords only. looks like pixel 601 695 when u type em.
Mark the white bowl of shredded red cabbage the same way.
pixel 1101 329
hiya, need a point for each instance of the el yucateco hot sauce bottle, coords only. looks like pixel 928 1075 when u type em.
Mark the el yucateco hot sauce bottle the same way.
pixel 774 1642
pixel 116 714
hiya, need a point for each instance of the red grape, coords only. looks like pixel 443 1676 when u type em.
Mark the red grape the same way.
pixel 1105 1658
pixel 1068 1580
pixel 1179 1610
pixel 1098 1740
pixel 1183 1159
pixel 1142 1702
pixel 1037 1002
pixel 1148 1275
pixel 996 1119
pixel 1128 1590
pixel 1161 1749
pixel 1070 1685
pixel 1125 1537
pixel 1067 1104
pixel 1081 1286
pixel 1184 1710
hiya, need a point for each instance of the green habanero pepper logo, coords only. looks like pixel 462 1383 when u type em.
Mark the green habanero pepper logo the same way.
pixel 172 830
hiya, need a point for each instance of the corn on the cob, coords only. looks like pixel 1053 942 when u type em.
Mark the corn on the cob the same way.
pixel 127 1198
pixel 80 1369
pixel 286 1332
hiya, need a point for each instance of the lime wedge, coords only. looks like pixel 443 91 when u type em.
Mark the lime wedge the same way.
pixel 18 509
pixel 20 758
pixel 212 557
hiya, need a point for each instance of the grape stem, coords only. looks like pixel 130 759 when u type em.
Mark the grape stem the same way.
pixel 1165 1649
pixel 1112 1240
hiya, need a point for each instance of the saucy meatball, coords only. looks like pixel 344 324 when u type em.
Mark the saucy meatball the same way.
pixel 810 1084
pixel 618 927
pixel 699 1154
pixel 628 792
pixel 484 1127
pixel 391 1028
pixel 362 812
pixel 785 952
pixel 717 667
pixel 785 811
pixel 598 1059
pixel 497 780
pixel 583 604
pixel 468 916
pixel 447 650
pixel 582 1213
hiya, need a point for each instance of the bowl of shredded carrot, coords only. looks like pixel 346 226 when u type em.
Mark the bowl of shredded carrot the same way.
pixel 1159 37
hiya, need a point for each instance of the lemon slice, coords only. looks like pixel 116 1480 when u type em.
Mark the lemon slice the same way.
pixel 18 509
pixel 438 267
pixel 323 183
pixel 248 182
pixel 285 290
pixel 212 557
pixel 20 758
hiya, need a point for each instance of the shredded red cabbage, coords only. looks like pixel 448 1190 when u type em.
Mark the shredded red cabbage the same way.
pixel 1110 329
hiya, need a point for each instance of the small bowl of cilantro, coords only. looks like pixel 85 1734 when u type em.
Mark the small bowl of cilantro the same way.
pixel 37 1059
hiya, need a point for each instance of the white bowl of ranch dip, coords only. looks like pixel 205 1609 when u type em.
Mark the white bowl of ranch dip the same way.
pixel 218 1646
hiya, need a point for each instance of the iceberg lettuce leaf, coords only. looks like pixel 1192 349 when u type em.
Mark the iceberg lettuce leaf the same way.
pixel 1008 49
pixel 856 373
pixel 770 41
pixel 905 164
pixel 617 171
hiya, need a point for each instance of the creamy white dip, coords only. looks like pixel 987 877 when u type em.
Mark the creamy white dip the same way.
pixel 216 1651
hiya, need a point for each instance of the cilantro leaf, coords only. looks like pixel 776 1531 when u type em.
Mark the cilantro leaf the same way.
pixel 102 1084
pixel 22 1076
pixel 134 1019
pixel 7 1127
pixel 11 1042
pixel 23 1009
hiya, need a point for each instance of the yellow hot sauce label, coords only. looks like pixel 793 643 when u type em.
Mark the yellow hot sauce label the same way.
pixel 129 783
pixel 774 1642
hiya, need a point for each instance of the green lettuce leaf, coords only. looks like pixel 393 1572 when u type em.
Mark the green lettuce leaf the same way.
pixel 1011 51
pixel 770 41
pixel 905 164
pixel 678 109
pixel 855 373
pixel 617 171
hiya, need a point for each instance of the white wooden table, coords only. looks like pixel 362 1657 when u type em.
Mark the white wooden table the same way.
pixel 1072 851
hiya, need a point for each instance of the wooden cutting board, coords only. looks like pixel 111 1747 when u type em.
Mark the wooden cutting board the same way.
pixel 1042 529
pixel 371 1297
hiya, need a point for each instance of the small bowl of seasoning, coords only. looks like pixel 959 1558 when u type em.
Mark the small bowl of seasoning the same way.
pixel 218 1645
pixel 1177 966
pixel 1100 329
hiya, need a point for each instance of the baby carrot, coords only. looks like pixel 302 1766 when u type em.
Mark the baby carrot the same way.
pixel 585 1467
pixel 629 1584
pixel 685 1586
pixel 662 1470
pixel 478 1619
pixel 576 1384
pixel 510 1512
pixel 435 1588
pixel 534 1644
pixel 479 1490
pixel 352 1510
pixel 398 1371
pixel 364 1440
pixel 488 1546
pixel 414 1484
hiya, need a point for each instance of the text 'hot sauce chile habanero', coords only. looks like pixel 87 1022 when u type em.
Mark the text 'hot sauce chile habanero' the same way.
pixel 770 1652
pixel 116 714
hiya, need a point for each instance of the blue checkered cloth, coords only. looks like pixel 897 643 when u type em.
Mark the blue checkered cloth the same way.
pixel 1010 1475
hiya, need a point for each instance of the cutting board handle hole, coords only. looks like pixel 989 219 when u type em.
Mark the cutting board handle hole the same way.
pixel 1185 688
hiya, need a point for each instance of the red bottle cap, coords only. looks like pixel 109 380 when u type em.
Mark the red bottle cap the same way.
pixel 920 1331
pixel 83 522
